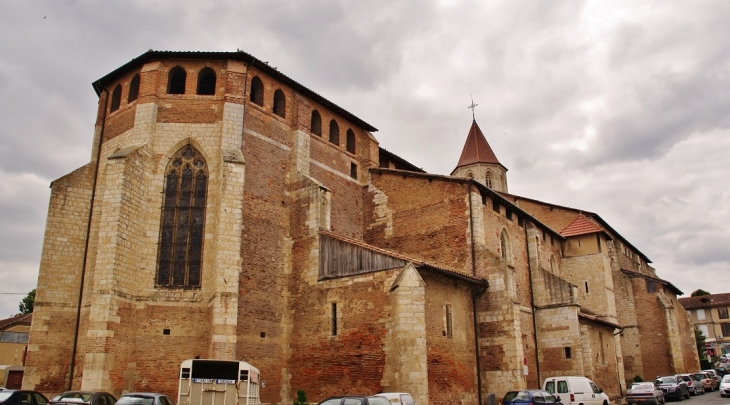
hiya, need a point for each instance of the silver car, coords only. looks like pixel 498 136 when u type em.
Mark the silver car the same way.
pixel 644 392
pixel 144 398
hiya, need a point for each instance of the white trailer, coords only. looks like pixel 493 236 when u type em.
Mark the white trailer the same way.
pixel 218 382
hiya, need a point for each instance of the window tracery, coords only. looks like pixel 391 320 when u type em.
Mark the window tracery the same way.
pixel 183 220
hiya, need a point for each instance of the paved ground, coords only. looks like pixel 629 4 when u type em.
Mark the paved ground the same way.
pixel 710 398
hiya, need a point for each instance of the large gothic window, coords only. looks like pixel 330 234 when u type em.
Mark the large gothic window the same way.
pixel 183 220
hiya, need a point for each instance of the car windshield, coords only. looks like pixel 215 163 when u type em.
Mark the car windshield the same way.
pixel 136 400
pixel 378 401
pixel 725 379
pixel 643 386
pixel 666 380
pixel 74 397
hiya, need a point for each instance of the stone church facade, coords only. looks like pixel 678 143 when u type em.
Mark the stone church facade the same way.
pixel 229 212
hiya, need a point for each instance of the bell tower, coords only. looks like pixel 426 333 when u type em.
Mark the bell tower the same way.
pixel 479 162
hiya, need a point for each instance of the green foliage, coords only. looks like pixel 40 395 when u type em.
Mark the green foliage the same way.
pixel 700 340
pixel 699 293
pixel 638 379
pixel 301 398
pixel 26 305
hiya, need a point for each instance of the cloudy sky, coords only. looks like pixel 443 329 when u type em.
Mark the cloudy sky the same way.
pixel 619 108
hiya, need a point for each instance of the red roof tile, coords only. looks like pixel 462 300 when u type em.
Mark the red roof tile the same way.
pixel 23 319
pixel 476 148
pixel 706 301
pixel 581 225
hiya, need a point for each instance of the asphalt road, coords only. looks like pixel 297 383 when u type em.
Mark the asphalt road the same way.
pixel 709 398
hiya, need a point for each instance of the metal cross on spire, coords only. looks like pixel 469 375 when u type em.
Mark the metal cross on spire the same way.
pixel 473 106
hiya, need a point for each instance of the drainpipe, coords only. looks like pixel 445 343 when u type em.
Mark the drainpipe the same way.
pixel 474 300
pixel 532 304
pixel 86 244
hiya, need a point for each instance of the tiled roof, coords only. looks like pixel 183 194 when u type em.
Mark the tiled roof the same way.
pixel 581 225
pixel 20 319
pixel 416 262
pixel 663 282
pixel 706 301
pixel 476 148
pixel 598 320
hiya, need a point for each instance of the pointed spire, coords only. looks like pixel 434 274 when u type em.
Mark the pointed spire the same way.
pixel 476 149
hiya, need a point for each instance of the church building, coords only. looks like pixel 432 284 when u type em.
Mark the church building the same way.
pixel 229 212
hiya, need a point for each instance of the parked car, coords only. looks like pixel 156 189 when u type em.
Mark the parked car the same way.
pixel 714 375
pixel 397 398
pixel 83 397
pixel 645 392
pixel 725 386
pixel 694 384
pixel 144 398
pixel 575 390
pixel 708 381
pixel 24 397
pixel 722 370
pixel 526 397
pixel 672 387
pixel 355 400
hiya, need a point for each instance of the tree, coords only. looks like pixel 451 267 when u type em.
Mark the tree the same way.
pixel 700 340
pixel 26 305
pixel 700 292
pixel 301 398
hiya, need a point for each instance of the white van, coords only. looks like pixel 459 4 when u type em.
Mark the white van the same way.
pixel 575 391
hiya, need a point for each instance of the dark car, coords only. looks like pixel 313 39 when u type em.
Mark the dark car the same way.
pixel 83 397
pixel 644 392
pixel 144 398
pixel 524 397
pixel 672 387
pixel 355 400
pixel 11 397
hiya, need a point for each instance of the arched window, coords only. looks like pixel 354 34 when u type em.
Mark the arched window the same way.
pixel 176 80
pixel 350 141
pixel 279 103
pixel 334 132
pixel 505 245
pixel 469 175
pixel 206 81
pixel 316 123
pixel 183 220
pixel 553 265
pixel 489 180
pixel 116 98
pixel 133 89
pixel 257 91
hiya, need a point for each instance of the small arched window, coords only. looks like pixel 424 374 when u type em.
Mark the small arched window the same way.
pixel 176 80
pixel 553 265
pixel 182 226
pixel 206 82
pixel 279 103
pixel 350 141
pixel 489 180
pixel 116 98
pixel 505 245
pixel 316 123
pixel 334 132
pixel 133 89
pixel 257 91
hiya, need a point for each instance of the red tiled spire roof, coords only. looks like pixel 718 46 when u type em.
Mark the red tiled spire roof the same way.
pixel 476 149
pixel 581 225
